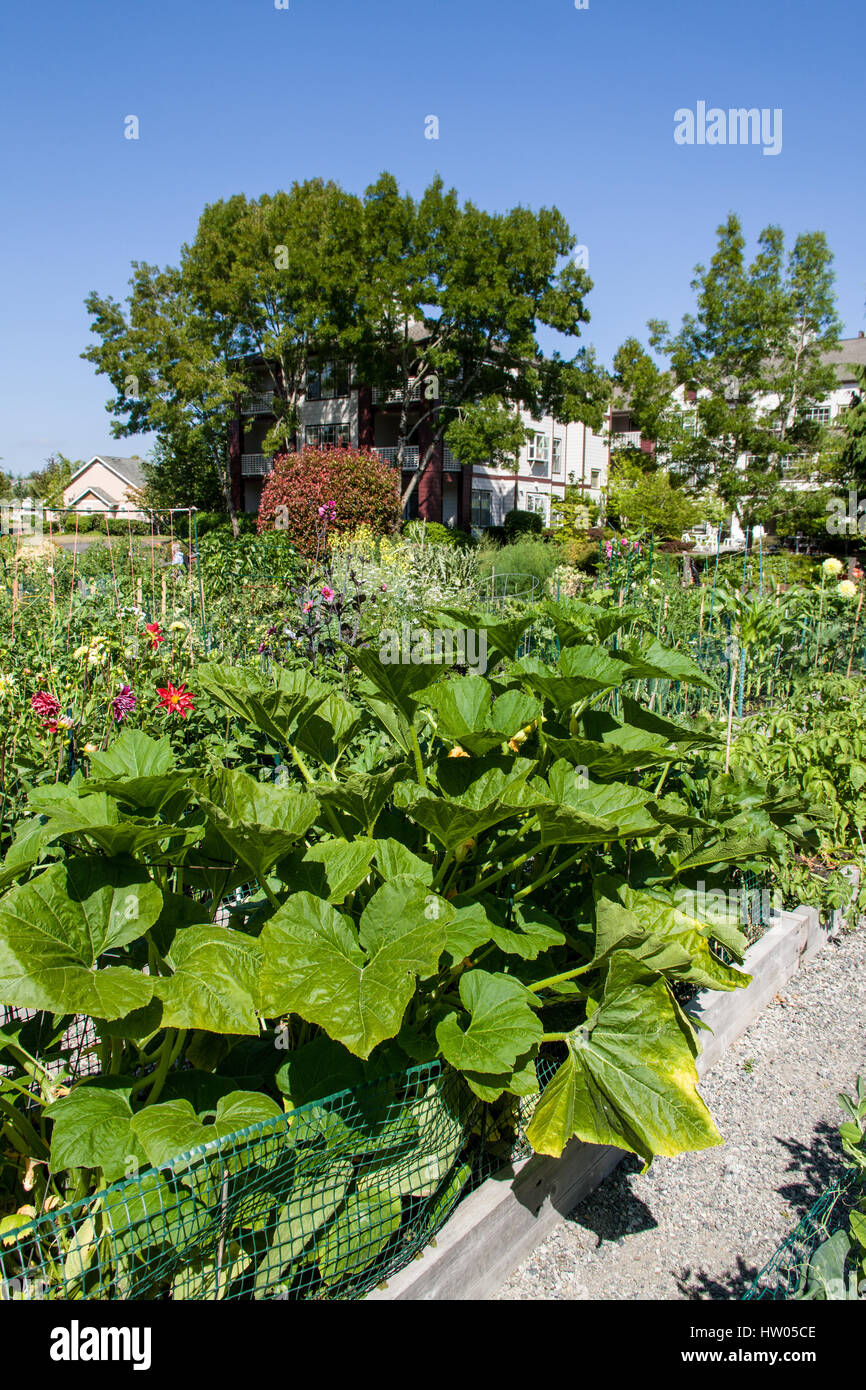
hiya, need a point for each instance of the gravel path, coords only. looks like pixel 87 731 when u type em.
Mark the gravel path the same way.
pixel 702 1225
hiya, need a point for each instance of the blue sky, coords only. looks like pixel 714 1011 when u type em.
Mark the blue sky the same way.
pixel 538 103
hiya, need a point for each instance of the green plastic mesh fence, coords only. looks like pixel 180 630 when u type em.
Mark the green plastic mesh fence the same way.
pixel 323 1203
pixel 785 1274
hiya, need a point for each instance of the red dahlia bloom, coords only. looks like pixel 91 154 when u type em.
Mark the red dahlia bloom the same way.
pixel 155 635
pixel 175 699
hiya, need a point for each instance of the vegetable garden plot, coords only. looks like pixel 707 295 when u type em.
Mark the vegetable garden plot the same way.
pixel 321 1203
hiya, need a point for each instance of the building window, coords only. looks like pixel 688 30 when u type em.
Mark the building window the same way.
pixel 320 436
pixel 537 502
pixel 481 514
pixel 690 422
pixel 539 448
pixel 819 413
pixel 557 456
pixel 595 477
pixel 327 381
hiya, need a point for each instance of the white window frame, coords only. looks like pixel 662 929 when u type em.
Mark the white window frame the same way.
pixel 539 452
pixel 538 502
pixel 319 430
pixel 556 463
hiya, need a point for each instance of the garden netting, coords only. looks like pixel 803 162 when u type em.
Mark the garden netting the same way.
pixel 784 1275
pixel 323 1203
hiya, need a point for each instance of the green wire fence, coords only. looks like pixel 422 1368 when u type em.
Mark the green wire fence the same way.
pixel 786 1274
pixel 324 1202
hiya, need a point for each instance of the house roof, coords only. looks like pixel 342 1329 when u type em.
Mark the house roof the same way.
pixel 851 352
pixel 129 470
pixel 91 491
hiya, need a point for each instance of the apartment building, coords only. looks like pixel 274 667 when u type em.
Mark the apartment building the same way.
pixel 337 409
pixel 850 354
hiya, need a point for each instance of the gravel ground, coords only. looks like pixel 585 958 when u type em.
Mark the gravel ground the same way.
pixel 702 1225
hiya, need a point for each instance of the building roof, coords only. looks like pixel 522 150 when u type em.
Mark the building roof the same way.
pixel 851 352
pixel 91 491
pixel 129 470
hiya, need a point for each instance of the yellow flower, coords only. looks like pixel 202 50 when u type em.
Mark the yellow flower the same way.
pixel 846 589
pixel 458 752
pixel 832 567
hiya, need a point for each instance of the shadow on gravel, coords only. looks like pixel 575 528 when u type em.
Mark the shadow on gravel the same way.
pixel 731 1285
pixel 815 1164
pixel 612 1210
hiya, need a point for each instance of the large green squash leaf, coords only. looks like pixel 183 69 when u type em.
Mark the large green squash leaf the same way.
pixel 629 1079
pixel 324 732
pixel 477 793
pixel 54 930
pixel 215 981
pixel 358 1234
pixel 502 1024
pixel 331 869
pixel 274 707
pixel 395 683
pixel 580 673
pixel 260 822
pixel 171 1128
pixel 529 932
pixel 98 817
pixel 657 662
pixel 466 713
pixel 93 1129
pixel 131 756
pixel 354 983
pixel 502 635
pixel 594 812
pixel 362 795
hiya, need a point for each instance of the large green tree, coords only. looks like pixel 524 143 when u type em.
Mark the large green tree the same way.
pixel 174 366
pixel 453 297
pixel 753 352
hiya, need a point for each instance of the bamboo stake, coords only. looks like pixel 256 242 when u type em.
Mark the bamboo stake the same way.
pixel 734 664
pixel 854 634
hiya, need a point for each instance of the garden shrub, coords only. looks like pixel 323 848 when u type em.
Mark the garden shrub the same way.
pixel 528 555
pixel 520 523
pixel 363 488
pixel 433 533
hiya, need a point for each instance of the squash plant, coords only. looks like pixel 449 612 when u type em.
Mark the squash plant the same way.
pixel 493 878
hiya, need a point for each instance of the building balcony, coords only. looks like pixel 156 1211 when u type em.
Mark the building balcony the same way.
pixel 256 465
pixel 261 404
pixel 629 439
pixel 395 396
pixel 410 455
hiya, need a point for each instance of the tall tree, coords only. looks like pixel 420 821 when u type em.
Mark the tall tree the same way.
pixel 280 275
pixel 454 295
pixel 174 367
pixel 753 352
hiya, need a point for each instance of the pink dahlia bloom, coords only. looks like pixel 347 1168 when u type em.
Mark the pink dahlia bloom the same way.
pixel 46 705
pixel 123 704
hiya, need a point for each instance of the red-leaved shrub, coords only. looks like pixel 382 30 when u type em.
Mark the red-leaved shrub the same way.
pixel 363 488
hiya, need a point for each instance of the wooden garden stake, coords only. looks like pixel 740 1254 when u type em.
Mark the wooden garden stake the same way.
pixel 734 665
pixel 162 600
pixel 854 634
